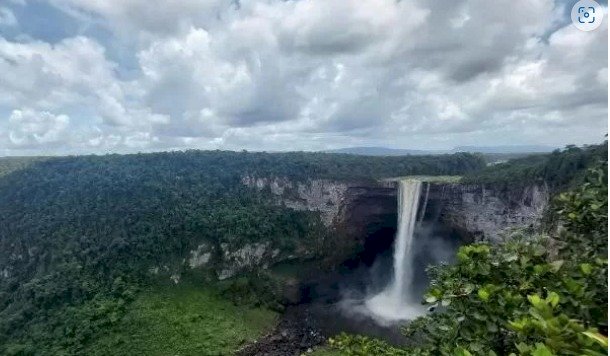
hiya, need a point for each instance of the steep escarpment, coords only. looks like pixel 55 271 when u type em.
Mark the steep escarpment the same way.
pixel 484 212
pixel 354 210
pixel 350 211
pixel 483 206
pixel 360 218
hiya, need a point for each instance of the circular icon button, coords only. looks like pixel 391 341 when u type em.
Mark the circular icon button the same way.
pixel 587 15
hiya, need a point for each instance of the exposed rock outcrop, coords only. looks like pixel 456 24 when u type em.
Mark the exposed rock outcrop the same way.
pixel 248 257
pixel 485 212
pixel 323 196
pixel 200 256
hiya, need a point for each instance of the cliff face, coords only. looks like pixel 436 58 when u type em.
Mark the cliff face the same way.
pixel 352 209
pixel 324 196
pixel 355 211
pixel 484 213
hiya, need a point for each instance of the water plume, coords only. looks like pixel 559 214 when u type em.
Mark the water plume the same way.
pixel 393 303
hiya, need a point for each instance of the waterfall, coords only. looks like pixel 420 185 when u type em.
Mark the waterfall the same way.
pixel 423 209
pixel 408 200
pixel 393 303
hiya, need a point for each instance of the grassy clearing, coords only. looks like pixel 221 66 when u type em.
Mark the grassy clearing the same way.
pixel 183 320
pixel 431 179
pixel 326 351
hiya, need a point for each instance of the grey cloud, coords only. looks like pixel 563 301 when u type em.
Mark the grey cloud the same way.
pixel 488 33
pixel 140 18
pixel 470 68
pixel 7 18
pixel 358 114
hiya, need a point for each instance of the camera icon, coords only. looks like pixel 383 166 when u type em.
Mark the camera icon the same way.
pixel 587 15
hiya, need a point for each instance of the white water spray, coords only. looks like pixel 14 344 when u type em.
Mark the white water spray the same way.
pixel 393 303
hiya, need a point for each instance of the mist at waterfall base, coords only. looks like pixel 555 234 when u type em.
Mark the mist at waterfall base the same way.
pixel 366 297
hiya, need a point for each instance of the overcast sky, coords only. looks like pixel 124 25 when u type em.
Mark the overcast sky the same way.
pixel 96 76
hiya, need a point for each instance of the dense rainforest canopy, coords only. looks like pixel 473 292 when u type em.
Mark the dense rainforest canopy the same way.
pixel 78 234
pixel 76 228
pixel 559 169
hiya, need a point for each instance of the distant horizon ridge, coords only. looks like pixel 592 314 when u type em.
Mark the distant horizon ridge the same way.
pixel 378 150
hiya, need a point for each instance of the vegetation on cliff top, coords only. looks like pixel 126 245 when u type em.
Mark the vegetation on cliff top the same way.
pixel 430 179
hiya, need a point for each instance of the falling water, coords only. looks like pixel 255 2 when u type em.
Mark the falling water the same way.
pixel 423 209
pixel 393 303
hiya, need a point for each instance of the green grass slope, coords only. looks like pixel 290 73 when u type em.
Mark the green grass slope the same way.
pixel 185 319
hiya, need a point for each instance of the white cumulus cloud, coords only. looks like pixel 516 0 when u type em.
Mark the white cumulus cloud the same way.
pixel 28 128
pixel 312 74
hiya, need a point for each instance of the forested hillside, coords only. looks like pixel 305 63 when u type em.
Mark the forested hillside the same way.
pixel 558 169
pixel 83 231
pixel 80 234
pixel 10 164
